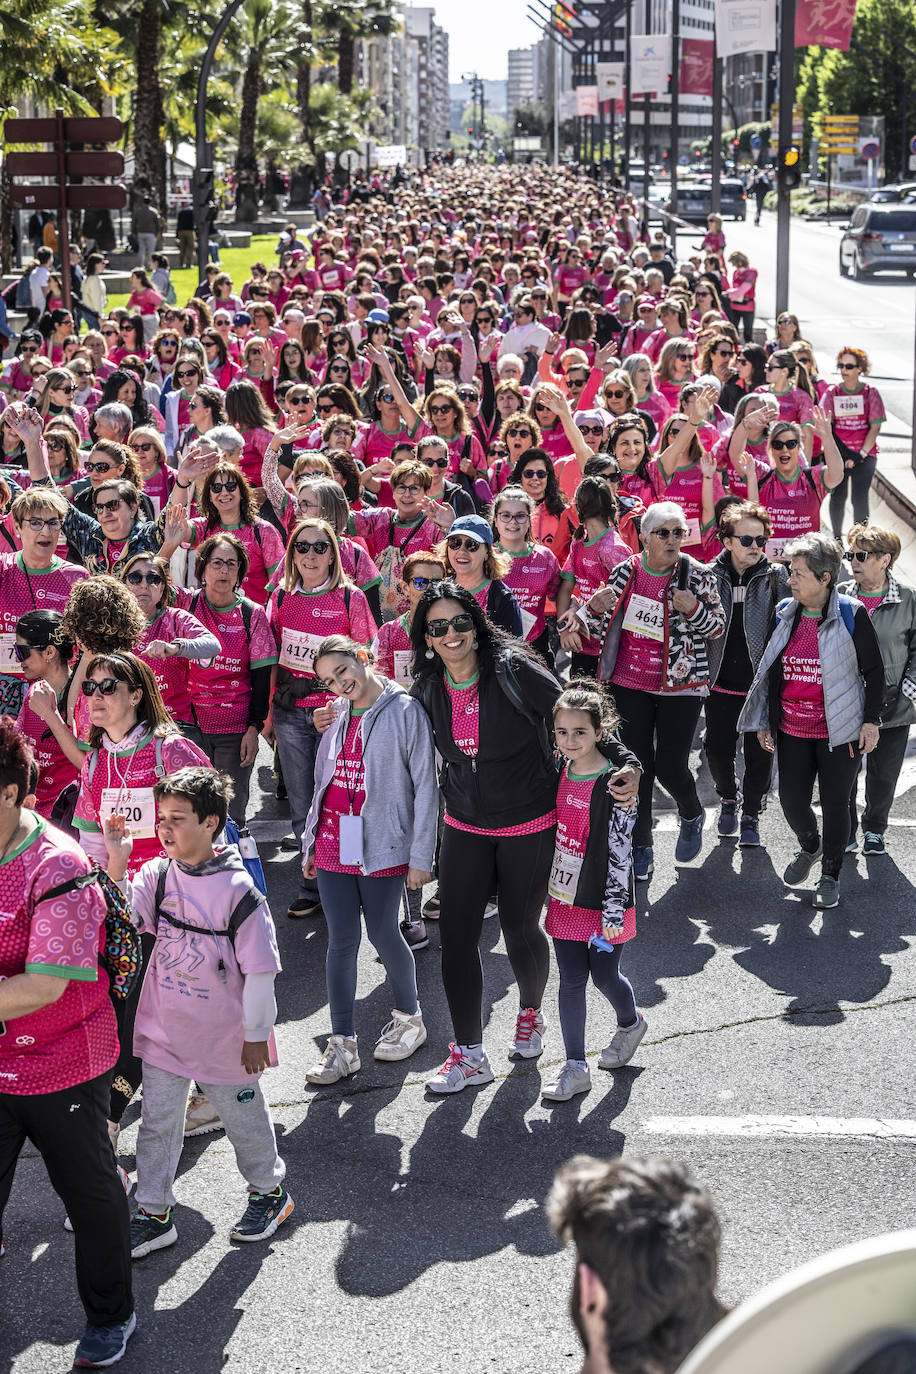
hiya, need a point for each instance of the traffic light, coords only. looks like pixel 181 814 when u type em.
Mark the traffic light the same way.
pixel 788 169
pixel 204 187
pixel 470 129
pixel 736 144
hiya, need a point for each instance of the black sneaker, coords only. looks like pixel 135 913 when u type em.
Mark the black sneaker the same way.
pixel 102 1346
pixel 264 1213
pixel 874 844
pixel 290 843
pixel 750 832
pixel 304 906
pixel 798 870
pixel 728 818
pixel 148 1233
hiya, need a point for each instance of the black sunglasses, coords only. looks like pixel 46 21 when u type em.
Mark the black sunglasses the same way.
pixel 461 624
pixel 535 474
pixel 434 462
pixel 320 546
pixel 152 579
pixel 780 444
pixel 457 542
pixel 230 484
pixel 22 651
pixel 107 687
pixel 421 582
pixel 747 541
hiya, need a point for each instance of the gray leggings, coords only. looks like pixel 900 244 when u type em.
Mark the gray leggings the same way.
pixel 223 752
pixel 342 896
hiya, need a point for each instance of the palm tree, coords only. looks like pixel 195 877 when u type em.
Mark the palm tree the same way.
pixel 265 44
pixel 345 22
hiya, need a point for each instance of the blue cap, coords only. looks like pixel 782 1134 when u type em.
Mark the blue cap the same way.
pixel 473 525
pixel 241 317
pixel 378 317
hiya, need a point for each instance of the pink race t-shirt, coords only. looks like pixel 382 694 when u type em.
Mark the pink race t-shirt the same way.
pixel 221 689
pixel 685 486
pixel 533 578
pixel 345 795
pixel 465 703
pixel 566 921
pixel 252 459
pixel 640 655
pixel 303 619
pixel 264 547
pixel 871 603
pixel 189 1018
pixel 393 651
pixel 25 589
pixel 55 771
pixel 589 565
pixel 75 1038
pixel 795 507
pixel 158 487
pixel 171 674
pixel 853 413
pixel 802 695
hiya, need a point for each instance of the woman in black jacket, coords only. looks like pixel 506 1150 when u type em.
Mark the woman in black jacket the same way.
pixel 490 704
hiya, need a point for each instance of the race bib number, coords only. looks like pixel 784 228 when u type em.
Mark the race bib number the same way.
pixel 403 662
pixel 646 617
pixel 136 804
pixel 298 650
pixel 564 876
pixel 848 407
pixel 693 531
pixel 528 622
pixel 774 547
pixel 9 663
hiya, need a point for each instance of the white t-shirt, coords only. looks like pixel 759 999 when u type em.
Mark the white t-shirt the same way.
pixel 38 280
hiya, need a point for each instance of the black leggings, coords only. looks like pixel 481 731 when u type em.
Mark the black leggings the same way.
pixel 857 483
pixel 659 730
pixel 882 769
pixel 802 762
pixel 720 743
pixel 471 869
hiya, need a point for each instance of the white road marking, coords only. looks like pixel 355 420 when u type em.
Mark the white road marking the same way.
pixel 774 1126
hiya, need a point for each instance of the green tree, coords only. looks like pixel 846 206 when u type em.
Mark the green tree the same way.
pixel 264 43
pixel 343 23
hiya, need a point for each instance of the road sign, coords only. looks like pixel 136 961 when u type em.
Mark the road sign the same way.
pixel 756 141
pixel 76 130
pixel 87 196
pixel 348 159
pixel 92 164
pixel 870 148
pixel 912 164
pixel 835 147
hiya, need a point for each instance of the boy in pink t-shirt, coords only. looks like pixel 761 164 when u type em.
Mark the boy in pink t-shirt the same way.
pixel 207 1007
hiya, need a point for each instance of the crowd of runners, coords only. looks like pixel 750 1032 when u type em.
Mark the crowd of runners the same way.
pixel 469 505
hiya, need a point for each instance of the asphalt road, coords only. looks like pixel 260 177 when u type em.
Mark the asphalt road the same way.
pixel 418 1241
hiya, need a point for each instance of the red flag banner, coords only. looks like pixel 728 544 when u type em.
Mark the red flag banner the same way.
pixel 826 23
pixel 696 66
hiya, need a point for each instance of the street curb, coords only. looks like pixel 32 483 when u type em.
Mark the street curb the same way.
pixel 894 498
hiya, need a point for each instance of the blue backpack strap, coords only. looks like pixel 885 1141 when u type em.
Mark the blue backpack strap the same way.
pixel 848 612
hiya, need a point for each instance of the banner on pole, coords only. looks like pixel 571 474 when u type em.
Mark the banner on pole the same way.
pixel 746 26
pixel 696 66
pixel 650 61
pixel 828 23
pixel 586 100
pixel 568 105
pixel 610 79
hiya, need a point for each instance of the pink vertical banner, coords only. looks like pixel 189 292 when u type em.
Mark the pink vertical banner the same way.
pixel 696 66
pixel 826 23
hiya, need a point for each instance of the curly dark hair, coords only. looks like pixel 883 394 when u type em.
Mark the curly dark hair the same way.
pixel 15 758
pixel 553 496
pixel 344 464
pixel 489 639
pixel 102 616
pixel 140 410
pixel 248 509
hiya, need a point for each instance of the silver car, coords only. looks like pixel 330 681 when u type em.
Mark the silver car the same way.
pixel 879 238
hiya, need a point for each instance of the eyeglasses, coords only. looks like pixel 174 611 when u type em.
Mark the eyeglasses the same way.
pixel 484 319
pixel 843 367
pixel 320 546
pixel 434 462
pixel 408 491
pixel 421 582
pixel 188 372
pixel 461 624
pixel 442 410
pixel 457 542
pixel 102 506
pixel 591 429
pixel 98 467
pixel 302 401
pixel 386 396
pixel 670 534
pixel 685 357
pixel 321 409
pixel 516 433
pixel 539 295
pixel 223 564
pixel 67 390
pixel 780 444
pixel 107 687
pixel 55 445
pixel 36 524
pixel 230 484
pixel 144 448
pixel 743 359
pixel 725 352
pixel 535 474
pixel 511 518
pixel 615 395
pixel 111 333
pixel 698 294
pixel 809 362
pixel 858 555
pixel 152 579
pixel 747 541
pixel 784 319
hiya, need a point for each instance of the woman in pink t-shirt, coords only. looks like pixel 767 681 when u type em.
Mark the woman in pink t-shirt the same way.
pixel 42 719
pixel 143 297
pixel 227 503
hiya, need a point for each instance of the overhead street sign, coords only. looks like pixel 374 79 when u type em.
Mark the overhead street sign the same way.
pixel 88 196
pixel 90 164
pixel 91 129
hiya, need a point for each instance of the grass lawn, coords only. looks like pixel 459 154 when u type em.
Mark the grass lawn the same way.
pixel 235 261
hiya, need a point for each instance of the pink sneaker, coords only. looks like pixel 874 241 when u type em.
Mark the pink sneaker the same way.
pixel 529 1035
pixel 460 1071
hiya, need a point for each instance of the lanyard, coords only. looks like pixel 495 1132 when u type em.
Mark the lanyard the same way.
pixel 361 769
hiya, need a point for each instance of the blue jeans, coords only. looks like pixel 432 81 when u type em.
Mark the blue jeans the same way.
pixel 297 745
pixel 342 895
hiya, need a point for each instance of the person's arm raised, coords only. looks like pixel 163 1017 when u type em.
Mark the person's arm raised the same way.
pixel 385 366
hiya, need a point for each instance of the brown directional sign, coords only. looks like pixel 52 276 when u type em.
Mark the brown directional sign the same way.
pixel 92 164
pixel 77 129
pixel 84 197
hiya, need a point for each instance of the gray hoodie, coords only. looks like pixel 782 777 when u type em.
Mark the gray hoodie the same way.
pixel 402 793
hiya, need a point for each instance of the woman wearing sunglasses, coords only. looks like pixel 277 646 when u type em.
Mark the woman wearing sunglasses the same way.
pixel 393 650
pixel 416 523
pixel 554 520
pixel 131 339
pixel 172 636
pixel 856 411
pixel 746 442
pixel 872 553
pixel 16 381
pixel 674 369
pixel 206 409
pixel 534 573
pixel 792 492
pixel 816 701
pixel 163 349
pixel 107 462
pixel 433 453
pixel 618 395
pixel 795 405
pixel 519 434
pixel 32 578
pixel 315 600
pixel 750 588
pixel 676 475
pixel 653 621
pixel 499 789
pixel 223 368
pixel 45 654
pixel 479 568
pixel 53 396
pixel 61 323
pixel 186 380
pixel 647 399
pixel 227 503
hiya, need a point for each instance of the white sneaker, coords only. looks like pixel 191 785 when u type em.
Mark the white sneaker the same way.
pixel 571 1079
pixel 460 1071
pixel 529 1035
pixel 340 1059
pixel 401 1036
pixel 623 1046
pixel 201 1116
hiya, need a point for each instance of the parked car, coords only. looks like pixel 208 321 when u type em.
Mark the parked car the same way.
pixel 694 201
pixel 879 238
pixel 900 191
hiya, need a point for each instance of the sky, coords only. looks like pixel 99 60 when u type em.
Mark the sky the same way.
pixel 481 32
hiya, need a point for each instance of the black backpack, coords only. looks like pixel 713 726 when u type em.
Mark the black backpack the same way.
pixel 243 908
